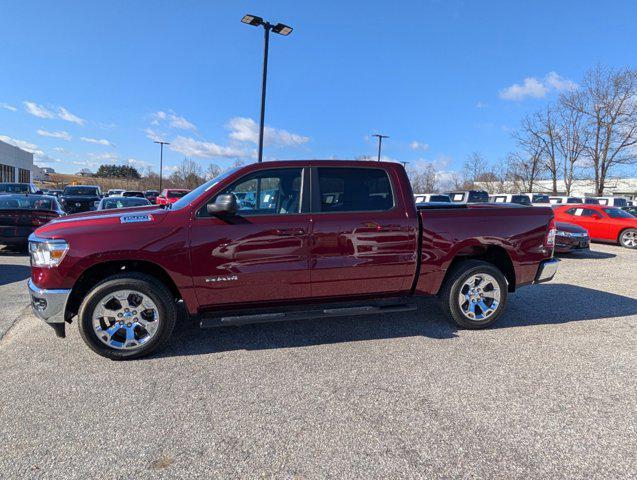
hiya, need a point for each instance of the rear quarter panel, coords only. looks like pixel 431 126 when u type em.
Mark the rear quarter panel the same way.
pixel 448 233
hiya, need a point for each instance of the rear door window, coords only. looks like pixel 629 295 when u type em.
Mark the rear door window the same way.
pixel 354 190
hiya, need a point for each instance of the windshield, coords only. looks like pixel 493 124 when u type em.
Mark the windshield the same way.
pixel 14 188
pixel 123 202
pixel 478 197
pixel 176 193
pixel 11 202
pixel 81 191
pixel 521 199
pixel 439 198
pixel 617 213
pixel 204 187
pixel 540 199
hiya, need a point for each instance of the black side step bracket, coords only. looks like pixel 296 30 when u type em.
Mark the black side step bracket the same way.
pixel 229 319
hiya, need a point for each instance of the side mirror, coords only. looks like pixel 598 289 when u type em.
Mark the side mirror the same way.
pixel 595 216
pixel 225 204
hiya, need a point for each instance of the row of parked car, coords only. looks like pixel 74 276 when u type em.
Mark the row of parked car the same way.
pixel 578 219
pixel 25 207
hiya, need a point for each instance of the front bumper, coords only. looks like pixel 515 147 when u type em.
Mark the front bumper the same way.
pixel 546 271
pixel 49 305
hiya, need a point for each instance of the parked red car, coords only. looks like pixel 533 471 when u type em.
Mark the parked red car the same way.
pixel 170 195
pixel 320 239
pixel 604 224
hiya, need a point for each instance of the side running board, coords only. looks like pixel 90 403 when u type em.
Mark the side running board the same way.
pixel 217 321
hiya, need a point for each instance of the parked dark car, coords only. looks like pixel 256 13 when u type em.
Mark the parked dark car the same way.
pixel 9 188
pixel 133 193
pixel 110 203
pixel 631 210
pixel 21 214
pixel 569 237
pixel 469 196
pixel 80 198
pixel 151 195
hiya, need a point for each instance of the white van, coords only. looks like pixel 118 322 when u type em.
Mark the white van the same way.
pixel 612 201
pixel 431 197
pixel 519 198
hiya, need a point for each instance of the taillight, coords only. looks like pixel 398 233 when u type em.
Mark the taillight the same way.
pixel 549 241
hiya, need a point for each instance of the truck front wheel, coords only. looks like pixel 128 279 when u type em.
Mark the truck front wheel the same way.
pixel 127 316
pixel 474 294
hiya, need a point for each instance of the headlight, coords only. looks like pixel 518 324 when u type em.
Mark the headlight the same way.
pixel 47 253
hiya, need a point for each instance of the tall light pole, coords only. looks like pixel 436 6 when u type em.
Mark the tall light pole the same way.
pixel 380 142
pixel 281 29
pixel 161 161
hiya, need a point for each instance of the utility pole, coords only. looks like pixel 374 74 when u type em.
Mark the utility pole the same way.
pixel 161 161
pixel 380 142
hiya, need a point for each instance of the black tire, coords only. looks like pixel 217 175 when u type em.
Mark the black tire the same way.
pixel 448 296
pixel 145 284
pixel 627 242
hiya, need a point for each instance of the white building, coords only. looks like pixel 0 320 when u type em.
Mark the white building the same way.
pixel 615 187
pixel 16 165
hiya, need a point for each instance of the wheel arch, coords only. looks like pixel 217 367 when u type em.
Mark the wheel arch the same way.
pixel 494 254
pixel 98 272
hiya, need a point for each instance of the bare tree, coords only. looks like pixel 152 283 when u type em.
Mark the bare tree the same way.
pixel 608 102
pixel 572 139
pixel 188 174
pixel 424 178
pixel 538 136
pixel 523 169
pixel 474 167
pixel 212 171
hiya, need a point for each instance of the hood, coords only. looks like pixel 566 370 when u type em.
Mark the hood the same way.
pixel 93 222
pixel 569 227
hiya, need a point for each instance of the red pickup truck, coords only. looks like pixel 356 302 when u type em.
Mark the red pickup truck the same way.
pixel 308 239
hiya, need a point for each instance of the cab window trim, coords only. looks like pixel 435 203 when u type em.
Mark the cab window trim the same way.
pixel 316 191
pixel 304 202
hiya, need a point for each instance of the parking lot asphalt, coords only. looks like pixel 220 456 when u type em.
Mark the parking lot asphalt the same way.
pixel 548 392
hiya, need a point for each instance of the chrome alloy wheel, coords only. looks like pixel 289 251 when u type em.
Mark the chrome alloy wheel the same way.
pixel 479 296
pixel 125 319
pixel 629 239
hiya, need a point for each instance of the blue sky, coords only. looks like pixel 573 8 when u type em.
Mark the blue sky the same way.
pixel 85 83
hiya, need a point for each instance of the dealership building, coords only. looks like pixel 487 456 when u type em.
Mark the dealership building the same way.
pixel 16 165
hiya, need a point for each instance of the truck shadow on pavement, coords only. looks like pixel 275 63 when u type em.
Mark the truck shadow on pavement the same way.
pixel 586 255
pixel 13 273
pixel 541 305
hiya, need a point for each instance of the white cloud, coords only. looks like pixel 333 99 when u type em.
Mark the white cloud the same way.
pixel 560 83
pixel 199 149
pixel 62 135
pixel 415 145
pixel 64 114
pixel 133 162
pixel 61 113
pixel 482 105
pixel 532 87
pixel 247 130
pixel 172 119
pixel 29 147
pixel 98 141
pixel 153 135
pixel 103 157
pixel 38 110
pixel 6 106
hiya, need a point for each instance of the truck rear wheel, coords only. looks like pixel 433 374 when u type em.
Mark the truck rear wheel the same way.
pixel 127 316
pixel 474 294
